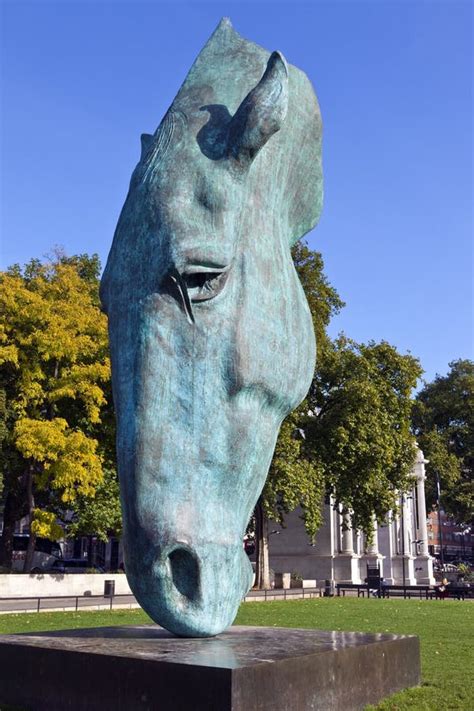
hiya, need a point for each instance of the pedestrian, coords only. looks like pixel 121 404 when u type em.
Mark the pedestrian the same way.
pixel 442 589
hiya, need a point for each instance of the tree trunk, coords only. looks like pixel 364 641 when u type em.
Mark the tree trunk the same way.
pixel 262 571
pixel 30 551
pixel 90 551
pixel 6 541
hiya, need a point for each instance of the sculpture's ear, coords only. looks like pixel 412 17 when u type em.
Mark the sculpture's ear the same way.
pixel 146 140
pixel 261 113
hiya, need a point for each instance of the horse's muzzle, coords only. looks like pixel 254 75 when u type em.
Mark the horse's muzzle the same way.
pixel 193 591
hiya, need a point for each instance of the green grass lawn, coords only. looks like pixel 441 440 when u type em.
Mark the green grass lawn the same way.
pixel 445 629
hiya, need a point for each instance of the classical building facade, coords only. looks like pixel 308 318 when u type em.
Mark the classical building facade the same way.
pixel 341 554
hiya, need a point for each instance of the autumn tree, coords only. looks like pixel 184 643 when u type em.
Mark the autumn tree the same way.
pixel 3 430
pixel 443 421
pixel 55 373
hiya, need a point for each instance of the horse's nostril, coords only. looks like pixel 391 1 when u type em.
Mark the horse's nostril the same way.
pixel 184 568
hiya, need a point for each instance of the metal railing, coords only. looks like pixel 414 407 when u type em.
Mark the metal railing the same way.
pixel 62 602
pixel 427 592
pixel 82 602
pixel 285 593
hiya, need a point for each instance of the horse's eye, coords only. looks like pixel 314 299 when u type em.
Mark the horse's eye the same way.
pixel 204 285
pixel 196 284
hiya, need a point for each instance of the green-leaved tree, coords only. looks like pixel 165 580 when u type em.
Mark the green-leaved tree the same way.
pixel 443 421
pixel 351 437
pixel 99 515
pixel 359 430
pixel 294 479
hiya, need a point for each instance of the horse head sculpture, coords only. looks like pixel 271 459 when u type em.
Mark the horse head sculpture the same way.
pixel 211 337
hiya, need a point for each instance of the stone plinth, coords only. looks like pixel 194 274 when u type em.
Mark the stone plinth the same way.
pixel 397 570
pixel 283 580
pixel 347 568
pixel 244 669
pixel 424 570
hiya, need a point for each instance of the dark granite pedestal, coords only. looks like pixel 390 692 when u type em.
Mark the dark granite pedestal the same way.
pixel 245 669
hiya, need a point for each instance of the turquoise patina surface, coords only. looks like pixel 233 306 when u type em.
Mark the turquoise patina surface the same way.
pixel 211 337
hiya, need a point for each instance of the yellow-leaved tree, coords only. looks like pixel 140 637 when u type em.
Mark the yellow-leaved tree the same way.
pixel 55 383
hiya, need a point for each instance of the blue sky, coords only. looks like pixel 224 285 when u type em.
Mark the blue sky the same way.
pixel 82 80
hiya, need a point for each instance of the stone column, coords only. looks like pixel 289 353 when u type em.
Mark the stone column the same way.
pixel 386 536
pixel 373 549
pixel 406 527
pixel 420 497
pixel 403 562
pixel 347 538
pixel 396 532
pixel 346 564
pixel 423 563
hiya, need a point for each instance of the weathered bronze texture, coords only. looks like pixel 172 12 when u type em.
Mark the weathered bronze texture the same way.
pixel 211 337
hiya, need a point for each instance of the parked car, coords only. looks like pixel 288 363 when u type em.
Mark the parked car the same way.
pixel 45 555
pixel 74 565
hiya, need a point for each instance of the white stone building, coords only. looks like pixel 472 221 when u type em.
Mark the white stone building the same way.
pixel 340 554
